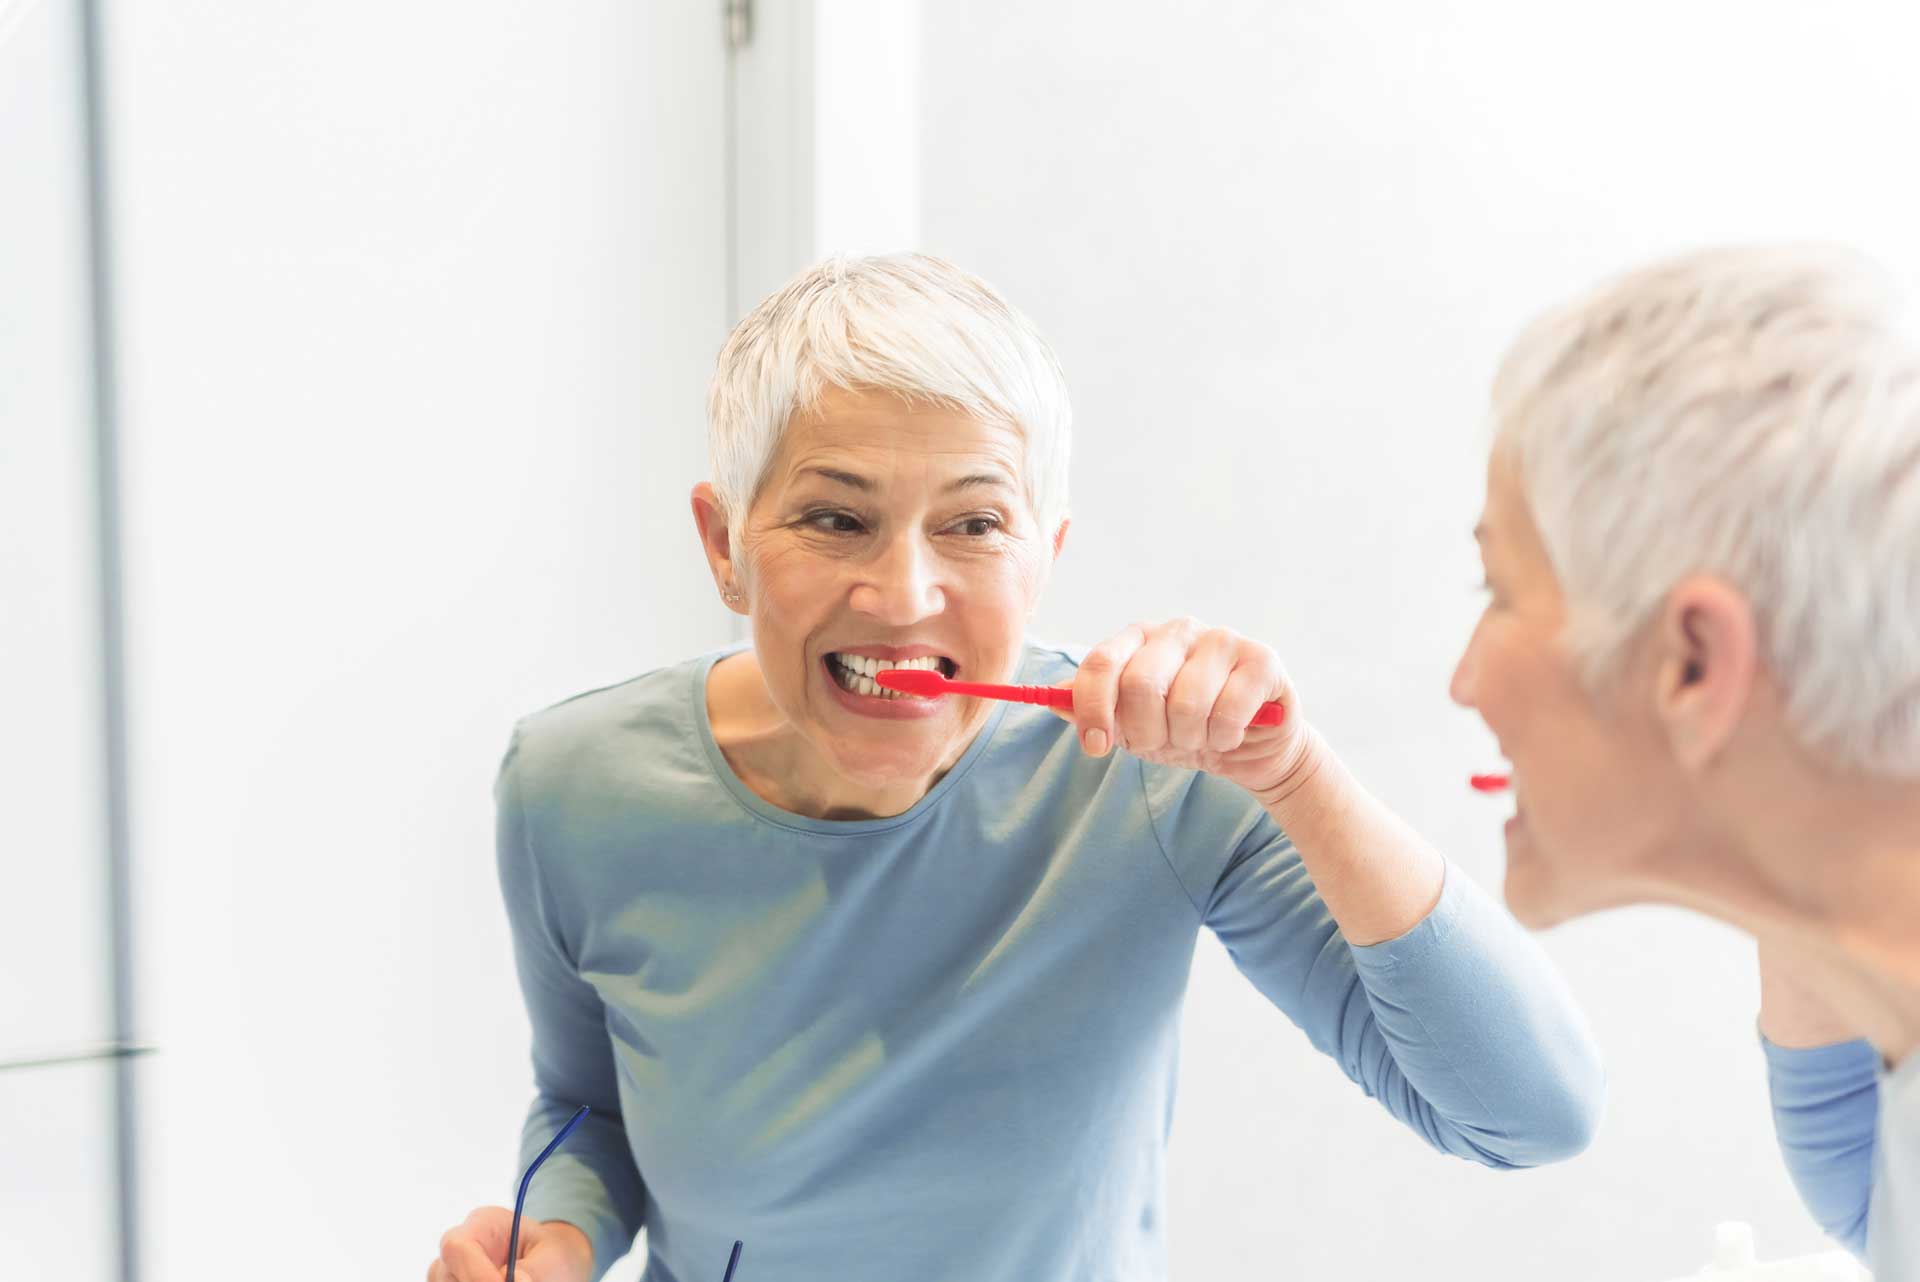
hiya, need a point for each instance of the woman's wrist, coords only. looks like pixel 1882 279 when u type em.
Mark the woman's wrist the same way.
pixel 1298 768
pixel 578 1244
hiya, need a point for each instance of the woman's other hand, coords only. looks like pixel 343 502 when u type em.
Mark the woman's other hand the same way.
pixel 476 1250
pixel 1180 694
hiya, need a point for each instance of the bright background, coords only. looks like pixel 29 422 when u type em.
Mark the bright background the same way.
pixel 416 309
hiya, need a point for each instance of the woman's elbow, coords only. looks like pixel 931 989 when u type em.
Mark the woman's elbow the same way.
pixel 1570 1129
pixel 1562 1125
pixel 1570 1108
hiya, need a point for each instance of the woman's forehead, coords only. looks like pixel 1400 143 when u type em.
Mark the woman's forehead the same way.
pixel 880 436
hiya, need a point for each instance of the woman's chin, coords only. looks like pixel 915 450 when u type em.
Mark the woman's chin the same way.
pixel 1530 907
pixel 1530 890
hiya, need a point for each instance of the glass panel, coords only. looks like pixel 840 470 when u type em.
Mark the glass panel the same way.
pixel 53 947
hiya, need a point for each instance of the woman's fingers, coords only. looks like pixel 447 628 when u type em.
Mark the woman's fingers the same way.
pixel 1142 713
pixel 1096 687
pixel 1194 696
pixel 476 1250
pixel 466 1262
pixel 490 1228
pixel 1175 687
pixel 1256 678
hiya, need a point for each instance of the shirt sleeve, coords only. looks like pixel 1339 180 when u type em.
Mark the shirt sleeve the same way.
pixel 1461 1027
pixel 591 1181
pixel 1826 1111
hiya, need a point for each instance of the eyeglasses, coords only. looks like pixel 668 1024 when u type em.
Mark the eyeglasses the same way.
pixel 520 1201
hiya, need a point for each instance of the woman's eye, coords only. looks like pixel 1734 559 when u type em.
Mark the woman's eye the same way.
pixel 834 522
pixel 979 526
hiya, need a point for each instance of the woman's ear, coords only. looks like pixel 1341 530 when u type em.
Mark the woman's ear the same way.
pixel 1708 659
pixel 1060 536
pixel 710 519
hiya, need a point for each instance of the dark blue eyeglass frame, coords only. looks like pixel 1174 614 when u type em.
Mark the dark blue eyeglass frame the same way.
pixel 520 1200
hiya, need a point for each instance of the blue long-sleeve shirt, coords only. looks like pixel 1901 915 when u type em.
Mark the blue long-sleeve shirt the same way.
pixel 942 1045
pixel 1850 1133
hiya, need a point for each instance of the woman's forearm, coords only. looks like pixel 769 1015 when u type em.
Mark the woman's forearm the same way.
pixel 1376 875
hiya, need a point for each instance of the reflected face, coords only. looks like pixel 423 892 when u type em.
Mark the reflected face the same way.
pixel 889 533
pixel 1595 809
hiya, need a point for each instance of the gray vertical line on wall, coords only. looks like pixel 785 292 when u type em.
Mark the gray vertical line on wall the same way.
pixel 735 33
pixel 112 628
pixel 730 157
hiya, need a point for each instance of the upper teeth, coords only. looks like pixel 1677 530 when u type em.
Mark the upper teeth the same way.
pixel 867 666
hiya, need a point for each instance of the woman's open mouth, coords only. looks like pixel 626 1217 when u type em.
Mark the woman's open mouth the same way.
pixel 854 673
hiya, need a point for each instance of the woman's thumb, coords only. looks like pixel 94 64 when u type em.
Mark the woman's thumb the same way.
pixel 547 1260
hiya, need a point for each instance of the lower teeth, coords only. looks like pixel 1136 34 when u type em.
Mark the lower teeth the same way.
pixel 851 681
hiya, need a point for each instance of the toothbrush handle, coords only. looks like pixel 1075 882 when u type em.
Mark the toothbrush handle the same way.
pixel 1046 696
pixel 1271 713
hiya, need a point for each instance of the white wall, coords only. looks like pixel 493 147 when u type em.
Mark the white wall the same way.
pixel 421 302
pixel 1279 248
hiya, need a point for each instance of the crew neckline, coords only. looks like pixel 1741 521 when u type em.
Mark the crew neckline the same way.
pixel 763 809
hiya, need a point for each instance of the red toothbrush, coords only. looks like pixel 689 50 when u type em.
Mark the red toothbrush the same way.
pixel 1490 783
pixel 923 681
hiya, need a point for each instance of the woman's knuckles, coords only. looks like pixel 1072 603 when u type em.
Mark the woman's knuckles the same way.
pixel 1188 708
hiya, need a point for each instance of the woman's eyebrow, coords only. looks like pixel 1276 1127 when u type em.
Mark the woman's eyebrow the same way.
pixel 976 479
pixel 849 479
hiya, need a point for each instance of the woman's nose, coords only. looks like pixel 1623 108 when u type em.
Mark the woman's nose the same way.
pixel 1460 687
pixel 901 587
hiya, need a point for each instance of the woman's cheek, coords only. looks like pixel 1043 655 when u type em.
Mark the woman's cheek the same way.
pixel 1025 569
pixel 785 574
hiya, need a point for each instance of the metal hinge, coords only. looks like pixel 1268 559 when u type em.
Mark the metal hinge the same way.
pixel 739 15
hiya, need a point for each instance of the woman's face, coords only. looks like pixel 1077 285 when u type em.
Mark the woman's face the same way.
pixel 1597 814
pixel 887 532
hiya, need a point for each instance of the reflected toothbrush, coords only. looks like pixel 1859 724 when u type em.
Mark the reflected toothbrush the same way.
pixel 1490 783
pixel 930 684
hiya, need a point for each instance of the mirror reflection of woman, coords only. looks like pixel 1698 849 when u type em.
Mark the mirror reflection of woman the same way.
pixel 889 987
pixel 1701 653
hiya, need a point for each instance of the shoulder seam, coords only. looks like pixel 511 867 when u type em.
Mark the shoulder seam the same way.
pixel 556 936
pixel 1146 801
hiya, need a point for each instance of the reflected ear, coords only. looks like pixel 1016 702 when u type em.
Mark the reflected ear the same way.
pixel 1060 537
pixel 1708 650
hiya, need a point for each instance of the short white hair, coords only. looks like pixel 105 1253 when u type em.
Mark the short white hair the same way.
pixel 1752 414
pixel 910 324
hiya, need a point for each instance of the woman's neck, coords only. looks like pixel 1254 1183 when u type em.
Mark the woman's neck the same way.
pixel 1839 863
pixel 777 763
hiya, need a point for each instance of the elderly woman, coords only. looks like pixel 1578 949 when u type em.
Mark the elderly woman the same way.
pixel 889 987
pixel 1702 656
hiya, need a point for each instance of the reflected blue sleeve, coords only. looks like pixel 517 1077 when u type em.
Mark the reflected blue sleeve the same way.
pixel 1826 1109
pixel 591 1181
